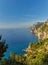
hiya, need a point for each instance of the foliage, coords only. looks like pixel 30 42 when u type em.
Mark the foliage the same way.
pixel 3 48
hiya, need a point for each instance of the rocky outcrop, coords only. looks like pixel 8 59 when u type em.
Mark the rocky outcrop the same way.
pixel 40 30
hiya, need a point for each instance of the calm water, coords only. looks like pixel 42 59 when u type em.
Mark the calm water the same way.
pixel 17 39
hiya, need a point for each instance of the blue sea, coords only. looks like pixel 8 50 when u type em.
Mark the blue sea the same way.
pixel 17 39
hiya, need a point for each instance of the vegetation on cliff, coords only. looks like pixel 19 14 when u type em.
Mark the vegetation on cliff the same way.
pixel 40 29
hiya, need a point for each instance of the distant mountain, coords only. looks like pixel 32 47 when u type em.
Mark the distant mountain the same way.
pixel 40 29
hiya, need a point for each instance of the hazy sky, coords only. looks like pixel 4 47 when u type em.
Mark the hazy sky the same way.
pixel 22 13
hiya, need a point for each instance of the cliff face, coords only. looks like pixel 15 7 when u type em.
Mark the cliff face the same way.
pixel 40 30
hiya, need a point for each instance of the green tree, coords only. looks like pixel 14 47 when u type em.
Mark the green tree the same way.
pixel 3 47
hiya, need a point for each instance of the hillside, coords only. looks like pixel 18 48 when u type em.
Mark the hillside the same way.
pixel 40 30
pixel 36 54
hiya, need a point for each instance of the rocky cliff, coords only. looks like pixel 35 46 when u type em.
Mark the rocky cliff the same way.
pixel 40 30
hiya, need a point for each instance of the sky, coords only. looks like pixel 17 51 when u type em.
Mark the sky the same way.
pixel 22 13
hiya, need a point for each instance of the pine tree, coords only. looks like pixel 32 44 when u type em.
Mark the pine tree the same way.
pixel 3 47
